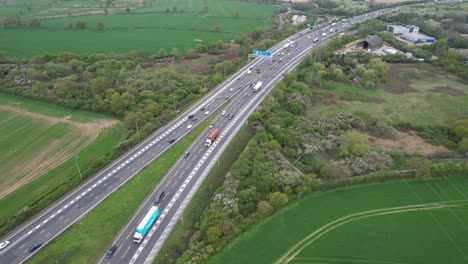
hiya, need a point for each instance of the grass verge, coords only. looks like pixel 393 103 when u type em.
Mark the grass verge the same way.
pixel 86 240
pixel 177 240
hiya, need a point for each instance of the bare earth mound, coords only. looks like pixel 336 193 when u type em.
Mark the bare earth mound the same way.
pixel 447 90
pixel 408 142
pixel 49 156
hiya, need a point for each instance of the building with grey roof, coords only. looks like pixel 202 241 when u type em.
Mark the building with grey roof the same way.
pixel 418 38
pixel 370 43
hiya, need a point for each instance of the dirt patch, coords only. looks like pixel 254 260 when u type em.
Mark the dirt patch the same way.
pixel 447 90
pixel 408 142
pixel 397 84
pixel 51 155
pixel 378 100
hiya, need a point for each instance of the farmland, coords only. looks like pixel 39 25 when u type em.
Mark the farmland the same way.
pixel 403 221
pixel 182 25
pixel 38 144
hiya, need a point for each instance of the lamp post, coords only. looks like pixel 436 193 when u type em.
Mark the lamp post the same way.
pixel 78 167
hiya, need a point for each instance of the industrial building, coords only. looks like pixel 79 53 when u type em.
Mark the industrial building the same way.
pixel 418 38
pixel 410 34
pixel 370 43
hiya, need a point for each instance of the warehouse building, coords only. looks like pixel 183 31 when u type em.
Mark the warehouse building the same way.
pixel 418 38
pixel 398 30
pixel 370 43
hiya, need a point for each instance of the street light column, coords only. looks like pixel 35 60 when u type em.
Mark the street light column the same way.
pixel 78 167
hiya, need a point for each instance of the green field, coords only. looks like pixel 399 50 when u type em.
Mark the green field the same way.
pixel 396 222
pixel 141 29
pixel 37 146
pixel 414 105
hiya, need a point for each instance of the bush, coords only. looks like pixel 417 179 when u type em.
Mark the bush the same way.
pixel 335 171
pixel 421 167
pixel 463 145
pixel 353 143
pixel 448 169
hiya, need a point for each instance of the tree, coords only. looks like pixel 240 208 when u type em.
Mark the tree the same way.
pixel 175 53
pixel 335 171
pixel 263 207
pixel 219 44
pixel 463 145
pixel 213 234
pixel 80 24
pixel 421 166
pixel 353 143
pixel 278 199
pixel 174 9
pixel 100 25
pixel 191 54
pixel 217 28
pixel 162 53
pixel 380 68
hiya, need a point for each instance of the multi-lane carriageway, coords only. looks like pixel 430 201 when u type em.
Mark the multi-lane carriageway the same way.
pixel 184 178
pixel 73 206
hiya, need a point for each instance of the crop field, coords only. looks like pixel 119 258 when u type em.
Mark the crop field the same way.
pixel 397 222
pixel 34 144
pixel 413 93
pixel 128 25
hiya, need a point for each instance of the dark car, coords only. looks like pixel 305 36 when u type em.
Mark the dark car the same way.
pixel 186 154
pixel 159 197
pixel 231 117
pixel 190 116
pixel 111 251
pixel 171 141
pixel 34 247
pixel 202 109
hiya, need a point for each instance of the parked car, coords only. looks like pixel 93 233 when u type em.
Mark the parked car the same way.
pixel 186 154
pixel 111 251
pixel 4 244
pixel 34 247
pixel 159 197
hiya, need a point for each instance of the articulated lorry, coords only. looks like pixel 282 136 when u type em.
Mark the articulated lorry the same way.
pixel 257 86
pixel 212 137
pixel 146 224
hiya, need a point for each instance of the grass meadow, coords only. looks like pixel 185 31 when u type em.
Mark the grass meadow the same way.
pixel 396 222
pixel 147 28
pixel 35 144
pixel 86 240
pixel 415 93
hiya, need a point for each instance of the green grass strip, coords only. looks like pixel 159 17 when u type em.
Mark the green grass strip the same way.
pixel 85 241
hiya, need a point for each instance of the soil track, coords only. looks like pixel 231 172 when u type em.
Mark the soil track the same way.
pixel 298 247
pixel 51 155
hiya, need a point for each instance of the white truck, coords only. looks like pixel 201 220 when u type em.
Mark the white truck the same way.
pixel 257 86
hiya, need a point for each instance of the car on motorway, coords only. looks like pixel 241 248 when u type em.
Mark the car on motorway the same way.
pixel 171 141
pixel 207 112
pixel 34 247
pixel 227 97
pixel 308 37
pixel 245 95
pixel 231 117
pixel 211 125
pixel 160 194
pixel 186 154
pixel 249 72
pixel 111 251
pixel 189 126
pixel 231 89
pixel 224 112
pixel 202 109
pixel 4 244
pixel 190 116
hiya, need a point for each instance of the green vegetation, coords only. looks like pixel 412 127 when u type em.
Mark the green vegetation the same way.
pixel 70 26
pixel 179 236
pixel 85 241
pixel 413 233
pixel 52 183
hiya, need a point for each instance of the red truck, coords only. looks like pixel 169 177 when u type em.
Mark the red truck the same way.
pixel 212 137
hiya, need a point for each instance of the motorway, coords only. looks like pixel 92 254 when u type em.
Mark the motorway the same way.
pixel 185 177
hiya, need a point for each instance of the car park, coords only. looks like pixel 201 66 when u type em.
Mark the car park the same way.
pixel 160 195
pixel 4 244
pixel 171 141
pixel 111 251
pixel 186 154
pixel 34 247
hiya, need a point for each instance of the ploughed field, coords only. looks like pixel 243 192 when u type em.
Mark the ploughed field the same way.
pixel 396 222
